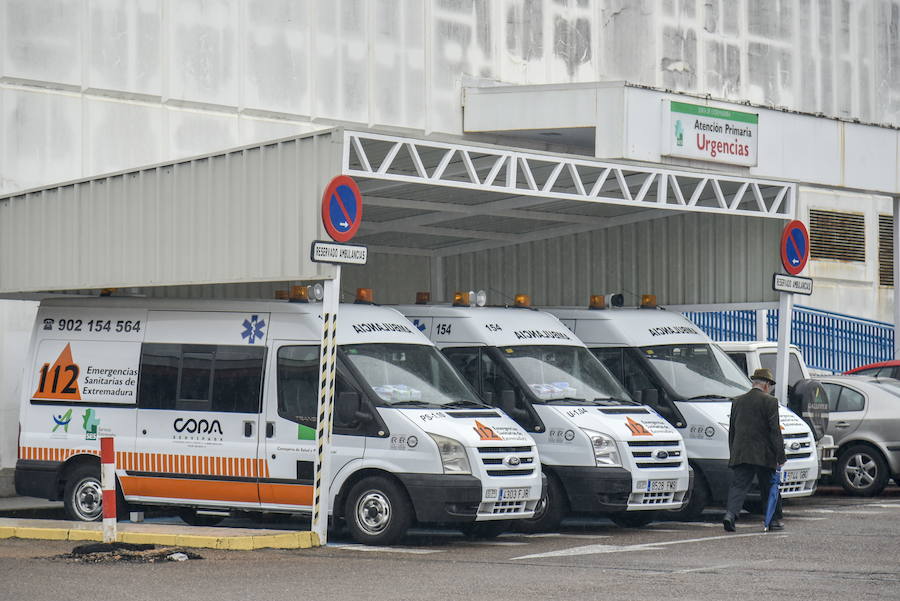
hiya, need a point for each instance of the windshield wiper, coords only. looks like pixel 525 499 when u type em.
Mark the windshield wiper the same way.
pixel 412 404
pixel 569 401
pixel 463 403
pixel 708 397
pixel 611 401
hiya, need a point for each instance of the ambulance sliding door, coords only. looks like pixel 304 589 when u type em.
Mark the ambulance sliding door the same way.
pixel 199 411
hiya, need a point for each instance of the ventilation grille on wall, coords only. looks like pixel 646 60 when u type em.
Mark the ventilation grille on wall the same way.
pixel 834 235
pixel 886 250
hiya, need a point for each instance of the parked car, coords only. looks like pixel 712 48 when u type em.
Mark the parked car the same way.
pixel 882 369
pixel 865 423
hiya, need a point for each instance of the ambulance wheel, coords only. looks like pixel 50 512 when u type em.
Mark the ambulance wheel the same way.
pixel 632 519
pixel 550 510
pixel 862 471
pixel 378 511
pixel 485 530
pixel 699 499
pixel 83 497
pixel 190 516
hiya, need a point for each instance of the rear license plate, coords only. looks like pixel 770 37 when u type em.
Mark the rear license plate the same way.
pixel 661 485
pixel 794 475
pixel 514 494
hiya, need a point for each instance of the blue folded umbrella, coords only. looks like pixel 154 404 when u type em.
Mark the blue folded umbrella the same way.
pixel 774 491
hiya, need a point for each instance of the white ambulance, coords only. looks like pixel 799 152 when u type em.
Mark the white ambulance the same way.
pixel 602 453
pixel 667 362
pixel 213 408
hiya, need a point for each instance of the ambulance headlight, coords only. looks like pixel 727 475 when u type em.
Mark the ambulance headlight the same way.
pixel 453 455
pixel 606 453
pixel 481 298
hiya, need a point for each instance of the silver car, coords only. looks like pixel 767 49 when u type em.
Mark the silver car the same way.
pixel 865 424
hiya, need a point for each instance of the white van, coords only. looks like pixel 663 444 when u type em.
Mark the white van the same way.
pixel 213 408
pixel 602 452
pixel 667 362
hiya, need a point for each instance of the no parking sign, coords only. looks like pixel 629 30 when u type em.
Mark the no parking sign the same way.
pixel 342 208
pixel 794 247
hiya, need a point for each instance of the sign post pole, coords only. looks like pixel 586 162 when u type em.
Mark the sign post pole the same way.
pixel 794 255
pixel 325 408
pixel 341 216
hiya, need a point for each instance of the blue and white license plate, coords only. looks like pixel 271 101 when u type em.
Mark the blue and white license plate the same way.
pixel 514 494
pixel 794 475
pixel 662 485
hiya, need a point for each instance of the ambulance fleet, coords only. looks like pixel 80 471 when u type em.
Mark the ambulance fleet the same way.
pixel 483 418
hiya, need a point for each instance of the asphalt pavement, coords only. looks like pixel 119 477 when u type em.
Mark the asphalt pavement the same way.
pixel 833 547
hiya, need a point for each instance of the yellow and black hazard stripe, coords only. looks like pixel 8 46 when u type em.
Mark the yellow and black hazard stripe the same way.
pixel 326 393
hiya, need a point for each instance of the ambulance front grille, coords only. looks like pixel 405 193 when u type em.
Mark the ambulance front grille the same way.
pixel 656 454
pixel 508 461
pixel 503 507
pixel 797 446
pixel 652 498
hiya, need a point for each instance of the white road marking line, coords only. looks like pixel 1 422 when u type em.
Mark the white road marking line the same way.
pixel 542 535
pixel 807 518
pixel 593 549
pixel 354 547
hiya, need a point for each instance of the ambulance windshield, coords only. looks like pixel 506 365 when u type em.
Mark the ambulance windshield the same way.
pixel 556 372
pixel 410 375
pixel 697 371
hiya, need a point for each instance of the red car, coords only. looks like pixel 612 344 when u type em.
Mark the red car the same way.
pixel 884 369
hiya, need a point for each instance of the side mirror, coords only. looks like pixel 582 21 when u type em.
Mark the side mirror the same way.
pixel 348 409
pixel 508 404
pixel 649 396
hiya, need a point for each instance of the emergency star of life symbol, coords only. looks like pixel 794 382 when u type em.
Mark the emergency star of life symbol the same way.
pixel 253 329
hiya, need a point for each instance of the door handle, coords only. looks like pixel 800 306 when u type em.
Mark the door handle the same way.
pixel 270 429
pixel 248 429
pixel 841 425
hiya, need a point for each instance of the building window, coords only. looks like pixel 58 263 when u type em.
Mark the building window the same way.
pixel 886 250
pixel 836 235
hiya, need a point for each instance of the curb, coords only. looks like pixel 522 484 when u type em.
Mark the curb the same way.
pixel 287 540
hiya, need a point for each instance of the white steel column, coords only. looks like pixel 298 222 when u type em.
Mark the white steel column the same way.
pixel 896 274
pixel 762 326
pixel 437 278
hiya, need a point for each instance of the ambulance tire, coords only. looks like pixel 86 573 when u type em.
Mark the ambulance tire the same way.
pixel 550 511
pixel 377 512
pixel 190 516
pixel 633 519
pixel 83 496
pixel 698 501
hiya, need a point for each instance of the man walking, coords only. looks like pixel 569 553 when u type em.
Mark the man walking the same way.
pixel 756 445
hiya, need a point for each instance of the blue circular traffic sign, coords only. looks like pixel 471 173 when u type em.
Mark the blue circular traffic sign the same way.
pixel 794 247
pixel 342 208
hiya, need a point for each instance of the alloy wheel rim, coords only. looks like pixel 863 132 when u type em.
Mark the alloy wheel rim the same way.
pixel 861 470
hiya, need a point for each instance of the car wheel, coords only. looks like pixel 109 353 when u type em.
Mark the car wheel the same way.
pixel 83 497
pixel 699 499
pixel 485 530
pixel 862 471
pixel 550 510
pixel 633 519
pixel 378 511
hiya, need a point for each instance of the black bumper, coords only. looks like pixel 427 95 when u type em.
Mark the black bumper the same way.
pixel 37 479
pixel 443 498
pixel 595 490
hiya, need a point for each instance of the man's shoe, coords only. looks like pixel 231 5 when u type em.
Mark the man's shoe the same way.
pixel 776 525
pixel 728 522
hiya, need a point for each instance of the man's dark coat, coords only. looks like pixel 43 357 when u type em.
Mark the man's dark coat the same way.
pixel 754 433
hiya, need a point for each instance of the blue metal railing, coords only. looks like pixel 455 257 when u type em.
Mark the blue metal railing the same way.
pixel 829 341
